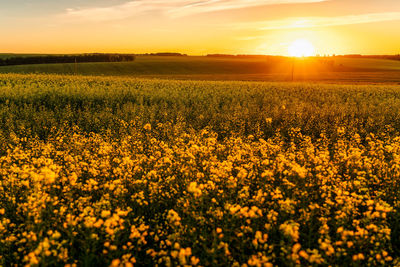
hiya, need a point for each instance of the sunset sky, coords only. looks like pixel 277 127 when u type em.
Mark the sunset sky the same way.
pixel 199 26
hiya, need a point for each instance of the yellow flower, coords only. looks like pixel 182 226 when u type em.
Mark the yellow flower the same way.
pixel 194 261
pixel 296 247
pixel 290 229
pixel 147 127
pixel 303 254
pixel 115 263
pixel 193 188
pixel 105 213
pixel 173 218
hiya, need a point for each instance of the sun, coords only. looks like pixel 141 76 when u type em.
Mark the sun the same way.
pixel 301 48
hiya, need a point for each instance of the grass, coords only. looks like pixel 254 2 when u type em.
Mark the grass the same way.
pixel 124 171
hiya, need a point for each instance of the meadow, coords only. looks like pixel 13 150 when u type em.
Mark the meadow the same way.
pixel 118 171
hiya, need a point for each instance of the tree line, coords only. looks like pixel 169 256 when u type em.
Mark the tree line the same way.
pixel 165 54
pixel 49 59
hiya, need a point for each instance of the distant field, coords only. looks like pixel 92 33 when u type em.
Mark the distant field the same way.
pixel 152 65
pixel 369 63
pixel 201 64
pixel 206 68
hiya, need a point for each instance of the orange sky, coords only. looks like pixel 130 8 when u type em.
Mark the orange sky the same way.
pixel 200 27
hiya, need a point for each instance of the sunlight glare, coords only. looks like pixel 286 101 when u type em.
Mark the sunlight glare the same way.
pixel 301 48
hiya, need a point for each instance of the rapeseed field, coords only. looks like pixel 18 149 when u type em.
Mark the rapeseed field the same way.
pixel 129 172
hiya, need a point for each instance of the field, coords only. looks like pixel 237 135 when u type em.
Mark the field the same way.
pixel 344 70
pixel 127 171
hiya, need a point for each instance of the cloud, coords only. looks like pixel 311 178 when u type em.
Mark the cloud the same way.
pixel 173 8
pixel 218 5
pixel 312 22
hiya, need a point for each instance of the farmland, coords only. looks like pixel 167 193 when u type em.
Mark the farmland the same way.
pixel 343 70
pixel 132 171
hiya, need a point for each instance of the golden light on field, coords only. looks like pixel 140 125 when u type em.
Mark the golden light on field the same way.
pixel 301 48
